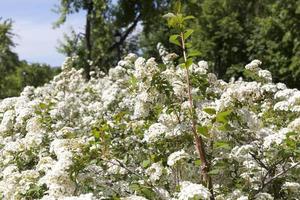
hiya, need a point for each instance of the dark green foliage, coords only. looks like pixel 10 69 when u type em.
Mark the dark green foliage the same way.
pixel 16 74
pixel 109 27
pixel 231 33
pixel 25 74
pixel 35 192
pixel 227 33
pixel 8 59
pixel 275 39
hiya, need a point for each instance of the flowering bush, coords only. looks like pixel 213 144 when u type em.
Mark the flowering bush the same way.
pixel 128 135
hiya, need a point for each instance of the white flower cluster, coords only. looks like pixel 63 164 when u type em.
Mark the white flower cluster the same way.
pixel 128 135
pixel 190 190
pixel 254 67
pixel 176 157
pixel 155 171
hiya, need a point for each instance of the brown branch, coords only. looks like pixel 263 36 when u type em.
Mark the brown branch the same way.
pixel 88 42
pixel 198 139
pixel 126 33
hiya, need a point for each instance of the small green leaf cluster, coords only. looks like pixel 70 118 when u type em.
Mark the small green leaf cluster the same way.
pixel 178 22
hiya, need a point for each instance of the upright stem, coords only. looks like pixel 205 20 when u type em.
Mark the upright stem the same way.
pixel 198 139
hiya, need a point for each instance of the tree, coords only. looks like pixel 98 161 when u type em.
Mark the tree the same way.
pixel 108 29
pixel 16 74
pixel 8 59
pixel 97 31
pixel 275 39
pixel 229 33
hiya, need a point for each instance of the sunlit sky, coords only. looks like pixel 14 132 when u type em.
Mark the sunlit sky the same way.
pixel 36 39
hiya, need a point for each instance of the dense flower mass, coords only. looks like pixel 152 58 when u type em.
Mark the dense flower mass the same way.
pixel 128 135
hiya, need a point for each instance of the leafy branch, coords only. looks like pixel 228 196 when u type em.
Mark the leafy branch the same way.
pixel 178 21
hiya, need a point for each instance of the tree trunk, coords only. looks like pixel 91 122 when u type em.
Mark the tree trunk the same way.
pixel 88 37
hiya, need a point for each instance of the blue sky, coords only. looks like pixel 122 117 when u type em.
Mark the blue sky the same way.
pixel 36 39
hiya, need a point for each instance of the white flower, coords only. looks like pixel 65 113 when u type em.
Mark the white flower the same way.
pixel 7 121
pixel 269 87
pixel 202 67
pixel 275 138
pixel 250 118
pixel 179 88
pixel 295 125
pixel 134 197
pixel 263 196
pixel 241 153
pixel 131 57
pixel 114 167
pixel 140 68
pixel 282 105
pixel 155 171
pixel 242 198
pixel 88 196
pixel 265 74
pixel 176 156
pixel 283 94
pixel 190 190
pixel 45 163
pixel 110 95
pixel 254 65
pixel 281 86
pixel 154 132
pixel 292 186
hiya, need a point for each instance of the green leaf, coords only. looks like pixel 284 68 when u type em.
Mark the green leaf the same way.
pixel 291 134
pixel 146 163
pixel 197 162
pixel 222 145
pixel 187 33
pixel 177 6
pixel 189 62
pixel 189 17
pixel 172 22
pixel 194 53
pixel 210 111
pixel 182 65
pixel 43 106
pixel 168 15
pixel 188 45
pixel 222 116
pixel 174 39
pixel 133 81
pixel 135 187
pixel 214 172
pixel 96 133
pixel 225 127
pixel 203 131
pixel 148 193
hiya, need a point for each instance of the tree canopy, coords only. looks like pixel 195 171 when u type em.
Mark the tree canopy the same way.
pixel 15 74
pixel 228 33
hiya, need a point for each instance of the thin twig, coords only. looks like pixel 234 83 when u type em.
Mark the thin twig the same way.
pixel 138 175
pixel 278 175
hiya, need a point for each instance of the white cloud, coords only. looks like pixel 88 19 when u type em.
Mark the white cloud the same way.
pixel 37 42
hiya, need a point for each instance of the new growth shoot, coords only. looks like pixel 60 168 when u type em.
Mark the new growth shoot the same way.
pixel 177 21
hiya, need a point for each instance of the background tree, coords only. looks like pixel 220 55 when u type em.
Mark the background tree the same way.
pixel 14 73
pixel 108 29
pixel 230 33
pixel 8 59
pixel 275 39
